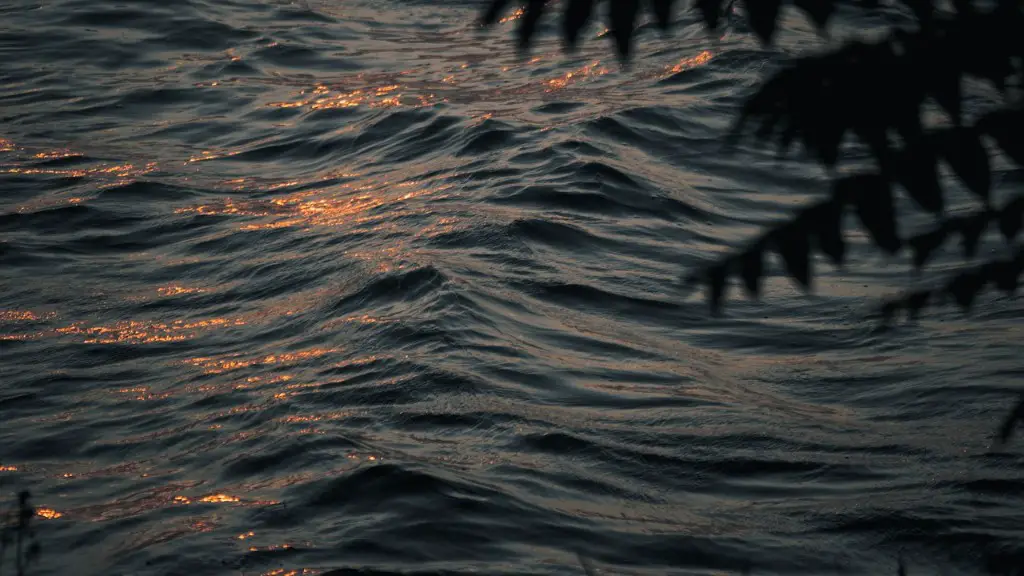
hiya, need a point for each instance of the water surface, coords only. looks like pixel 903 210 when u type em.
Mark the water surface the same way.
pixel 292 287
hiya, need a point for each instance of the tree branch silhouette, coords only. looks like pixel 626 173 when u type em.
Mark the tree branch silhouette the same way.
pixel 874 92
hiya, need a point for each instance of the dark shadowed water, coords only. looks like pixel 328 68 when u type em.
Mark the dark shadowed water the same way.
pixel 293 287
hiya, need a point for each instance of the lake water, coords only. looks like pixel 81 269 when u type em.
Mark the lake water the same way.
pixel 294 287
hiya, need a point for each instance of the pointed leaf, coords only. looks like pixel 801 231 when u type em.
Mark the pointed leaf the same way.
pixel 872 197
pixel 962 150
pixel 947 89
pixel 785 140
pixel 622 23
pixel 710 12
pixel 575 17
pixel 662 12
pixel 965 286
pixel 528 23
pixel 919 176
pixel 793 244
pixel 924 244
pixel 752 269
pixel 915 302
pixel 494 11
pixel 1007 128
pixel 828 135
pixel 889 310
pixel 826 221
pixel 971 228
pixel 762 16
pixel 1010 218
pixel 1006 429
pixel 1004 275
pixel 847 188
pixel 717 277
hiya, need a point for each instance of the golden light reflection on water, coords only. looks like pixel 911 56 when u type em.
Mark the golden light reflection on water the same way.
pixel 323 97
pixel 231 362
pixel 105 175
pixel 461 83
pixel 515 15
pixel 143 393
pixel 272 548
pixel 687 63
pixel 220 498
pixel 142 332
pixel 47 513
pixel 348 204
pixel 132 331
pixel 592 69
pixel 23 316
pixel 56 155
pixel 177 290
pixel 120 171
pixel 207 155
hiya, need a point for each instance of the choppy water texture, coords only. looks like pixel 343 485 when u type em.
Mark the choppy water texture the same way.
pixel 344 284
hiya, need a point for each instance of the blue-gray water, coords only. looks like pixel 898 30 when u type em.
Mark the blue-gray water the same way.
pixel 291 287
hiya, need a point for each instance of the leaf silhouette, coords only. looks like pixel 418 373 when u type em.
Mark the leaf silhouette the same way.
pixel 1007 128
pixel 915 302
pixel 494 11
pixel 762 15
pixel 1010 218
pixel 752 269
pixel 1009 424
pixel 872 197
pixel 662 12
pixel 987 39
pixel 889 310
pixel 961 148
pixel 965 287
pixel 577 14
pixel 826 222
pixel 919 175
pixel 924 244
pixel 1005 274
pixel 971 228
pixel 717 278
pixel 793 244
pixel 875 89
pixel 710 12
pixel 622 22
pixel 528 23
pixel 946 87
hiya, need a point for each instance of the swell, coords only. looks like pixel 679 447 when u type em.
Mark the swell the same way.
pixel 352 289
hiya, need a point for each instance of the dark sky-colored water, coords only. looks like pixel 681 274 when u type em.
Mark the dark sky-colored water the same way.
pixel 296 287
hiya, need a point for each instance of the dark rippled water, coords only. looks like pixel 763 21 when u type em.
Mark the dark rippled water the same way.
pixel 293 287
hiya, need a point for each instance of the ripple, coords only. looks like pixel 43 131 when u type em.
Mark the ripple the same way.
pixel 351 288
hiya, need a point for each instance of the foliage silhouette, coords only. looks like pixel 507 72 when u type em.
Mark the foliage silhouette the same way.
pixel 16 529
pixel 875 92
